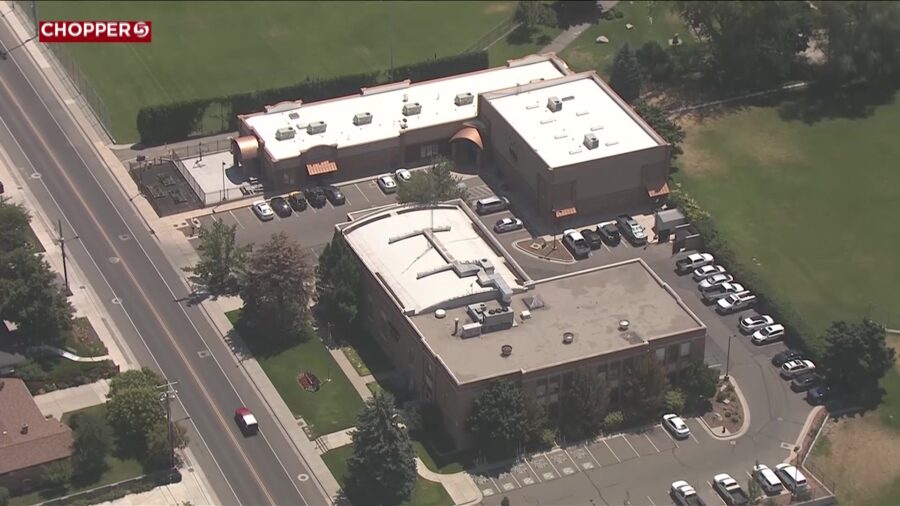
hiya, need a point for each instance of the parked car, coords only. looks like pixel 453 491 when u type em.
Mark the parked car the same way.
pixel 631 229
pixel 593 238
pixel 402 175
pixel 507 225
pixel 768 334
pixel 491 205
pixel 296 200
pixel 786 356
pixel 674 424
pixel 730 491
pixel 756 322
pixel 715 293
pixel 576 243
pixel 706 271
pixel 796 368
pixel 335 195
pixel 715 279
pixel 246 421
pixel 792 478
pixel 610 234
pixel 805 382
pixel 685 495
pixel 735 302
pixel 263 210
pixel 387 184
pixel 817 395
pixel 315 195
pixel 767 479
pixel 693 261
pixel 281 207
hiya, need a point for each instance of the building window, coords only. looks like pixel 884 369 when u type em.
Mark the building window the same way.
pixel 684 349
pixel 428 150
pixel 614 371
pixel 660 354
pixel 672 354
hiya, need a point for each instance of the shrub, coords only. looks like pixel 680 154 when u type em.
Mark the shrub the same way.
pixel 614 420
pixel 617 13
pixel 58 475
pixel 721 396
pixel 674 400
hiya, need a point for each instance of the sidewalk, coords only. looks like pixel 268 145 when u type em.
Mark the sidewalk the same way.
pixel 192 489
pixel 72 399
pixel 358 382
pixel 567 37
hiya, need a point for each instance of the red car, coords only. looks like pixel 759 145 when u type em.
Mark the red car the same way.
pixel 246 421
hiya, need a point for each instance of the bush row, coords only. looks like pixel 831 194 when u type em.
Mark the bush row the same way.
pixel 177 121
pixel 782 310
pixel 40 380
pixel 111 493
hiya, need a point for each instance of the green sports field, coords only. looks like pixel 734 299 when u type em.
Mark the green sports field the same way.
pixel 207 49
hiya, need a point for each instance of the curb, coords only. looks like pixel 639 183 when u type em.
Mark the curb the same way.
pixel 745 425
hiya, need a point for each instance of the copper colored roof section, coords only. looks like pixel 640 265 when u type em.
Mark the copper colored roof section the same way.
pixel 658 191
pixel 27 439
pixel 469 133
pixel 568 211
pixel 323 167
pixel 246 147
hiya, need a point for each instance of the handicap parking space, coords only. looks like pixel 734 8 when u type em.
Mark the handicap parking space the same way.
pixel 582 457
pixel 485 484
pixel 542 468
pixel 506 481
pixel 562 463
pixel 524 475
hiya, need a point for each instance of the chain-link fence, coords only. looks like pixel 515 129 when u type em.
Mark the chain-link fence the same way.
pixel 201 147
pixel 68 63
pixel 507 25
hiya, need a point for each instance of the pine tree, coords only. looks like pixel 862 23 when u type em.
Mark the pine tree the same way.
pixel 625 77
pixel 382 469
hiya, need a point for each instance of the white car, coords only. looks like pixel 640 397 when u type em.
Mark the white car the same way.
pixel 768 334
pixel 693 261
pixel 795 368
pixel 753 323
pixel 707 271
pixel 735 302
pixel 387 184
pixel 729 489
pixel 676 426
pixel 402 175
pixel 507 225
pixel 791 477
pixel 576 243
pixel 685 494
pixel 767 479
pixel 716 292
pixel 715 279
pixel 263 210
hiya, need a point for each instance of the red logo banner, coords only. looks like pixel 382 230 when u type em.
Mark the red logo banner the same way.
pixel 95 31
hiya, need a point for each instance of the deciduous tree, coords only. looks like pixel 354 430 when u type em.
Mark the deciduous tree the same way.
pixel 14 221
pixel 382 469
pixel 674 400
pixel 584 405
pixel 625 76
pixel 134 408
pixel 92 443
pixel 860 40
pixel 655 61
pixel 645 389
pixel 659 120
pixel 856 356
pixel 338 283
pixel 222 262
pixel 433 185
pixel 276 292
pixel 531 14
pixel 499 418
pixel 697 381
pixel 31 298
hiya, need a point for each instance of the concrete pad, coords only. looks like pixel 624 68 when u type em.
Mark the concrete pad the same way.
pixel 641 444
pixel 622 448
pixel 603 454
pixel 543 468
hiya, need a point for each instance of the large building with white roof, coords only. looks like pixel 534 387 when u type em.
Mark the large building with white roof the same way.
pixel 454 312
pixel 566 140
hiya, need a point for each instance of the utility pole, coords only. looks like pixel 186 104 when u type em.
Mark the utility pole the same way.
pixel 728 357
pixel 167 397
pixel 224 193
pixel 62 245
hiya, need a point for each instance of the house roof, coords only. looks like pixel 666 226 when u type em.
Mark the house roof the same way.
pixel 27 438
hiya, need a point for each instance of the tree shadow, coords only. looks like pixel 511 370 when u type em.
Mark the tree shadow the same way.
pixel 570 13
pixel 520 36
pixel 824 103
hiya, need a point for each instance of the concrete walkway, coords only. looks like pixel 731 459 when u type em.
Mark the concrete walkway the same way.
pixel 358 382
pixel 72 399
pixel 459 486
pixel 563 40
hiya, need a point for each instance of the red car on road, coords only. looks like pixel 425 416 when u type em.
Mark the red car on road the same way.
pixel 246 421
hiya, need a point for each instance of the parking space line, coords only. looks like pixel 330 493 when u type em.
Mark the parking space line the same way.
pixel 670 437
pixel 611 451
pixel 749 474
pixel 347 199
pixel 495 484
pixel 237 220
pixel 516 479
pixel 363 193
pixel 533 471
pixel 651 442
pixel 694 438
pixel 548 459
pixel 651 501
pixel 716 494
pixel 636 454
pixel 592 455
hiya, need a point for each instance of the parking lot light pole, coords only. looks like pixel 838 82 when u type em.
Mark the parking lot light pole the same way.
pixel 728 357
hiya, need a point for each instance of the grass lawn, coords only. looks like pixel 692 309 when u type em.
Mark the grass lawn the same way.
pixel 518 44
pixel 426 493
pixel 586 54
pixel 207 49
pixel 374 387
pixel 355 360
pixel 334 407
pixel 118 469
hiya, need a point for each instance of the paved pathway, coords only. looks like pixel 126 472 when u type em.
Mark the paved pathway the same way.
pixel 72 399
pixel 359 382
pixel 565 38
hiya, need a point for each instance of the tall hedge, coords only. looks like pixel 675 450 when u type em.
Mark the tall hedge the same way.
pixel 177 121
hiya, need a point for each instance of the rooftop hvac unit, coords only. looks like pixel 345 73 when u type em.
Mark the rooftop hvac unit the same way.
pixel 316 127
pixel 293 115
pixel 611 143
pixel 591 141
pixel 412 109
pixel 285 133
pixel 464 99
pixel 554 104
pixel 470 330
pixel 363 118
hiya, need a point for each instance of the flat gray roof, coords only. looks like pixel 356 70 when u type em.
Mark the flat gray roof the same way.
pixel 588 304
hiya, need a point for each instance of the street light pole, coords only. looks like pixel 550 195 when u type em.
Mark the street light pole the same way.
pixel 728 357
pixel 224 193
pixel 62 245
pixel 167 398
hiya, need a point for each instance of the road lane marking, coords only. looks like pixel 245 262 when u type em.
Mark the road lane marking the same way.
pixel 611 451
pixel 218 415
pixel 237 220
pixel 632 447
pixel 651 442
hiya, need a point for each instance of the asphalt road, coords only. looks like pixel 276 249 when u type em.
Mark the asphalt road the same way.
pixel 126 267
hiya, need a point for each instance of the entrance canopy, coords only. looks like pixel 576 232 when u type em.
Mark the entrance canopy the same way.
pixel 658 190
pixel 567 211
pixel 471 134
pixel 323 167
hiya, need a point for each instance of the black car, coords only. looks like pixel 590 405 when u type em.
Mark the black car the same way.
pixel 805 382
pixel 297 202
pixel 610 234
pixel 592 238
pixel 817 395
pixel 786 356
pixel 281 207
pixel 315 195
pixel 335 195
